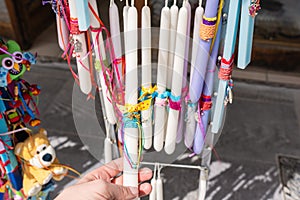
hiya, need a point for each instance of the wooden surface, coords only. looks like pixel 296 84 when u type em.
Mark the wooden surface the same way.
pixel 27 20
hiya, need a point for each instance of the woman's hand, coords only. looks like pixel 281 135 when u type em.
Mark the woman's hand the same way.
pixel 103 183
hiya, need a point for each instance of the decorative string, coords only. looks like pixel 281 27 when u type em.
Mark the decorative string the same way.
pixel 175 102
pixel 226 69
pixel 254 7
pixel 132 120
pixel 219 16
pixel 74 26
pixel 205 102
pixel 208 28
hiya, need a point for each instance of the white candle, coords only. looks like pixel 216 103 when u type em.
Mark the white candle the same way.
pixel 173 28
pixel 146 72
pixel 115 35
pixel 197 20
pixel 62 32
pixel 125 19
pixel 130 175
pixel 160 111
pixel 177 78
pixel 110 113
pixel 191 122
pixel 82 65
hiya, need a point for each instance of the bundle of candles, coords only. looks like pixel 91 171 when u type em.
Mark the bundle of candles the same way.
pixel 176 107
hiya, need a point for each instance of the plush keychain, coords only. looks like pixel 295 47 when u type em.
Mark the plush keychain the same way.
pixel 39 163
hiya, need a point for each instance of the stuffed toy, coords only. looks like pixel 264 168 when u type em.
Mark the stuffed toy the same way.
pixel 39 162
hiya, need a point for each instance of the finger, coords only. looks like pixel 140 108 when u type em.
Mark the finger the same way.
pixel 145 174
pixel 119 192
pixel 106 172
pixel 145 189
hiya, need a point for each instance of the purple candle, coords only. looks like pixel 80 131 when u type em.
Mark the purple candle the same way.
pixel 206 96
pixel 196 84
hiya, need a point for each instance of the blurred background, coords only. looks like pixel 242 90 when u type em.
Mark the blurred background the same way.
pixel 261 124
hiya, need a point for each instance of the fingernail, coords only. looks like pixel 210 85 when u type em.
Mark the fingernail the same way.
pixel 146 170
pixel 134 191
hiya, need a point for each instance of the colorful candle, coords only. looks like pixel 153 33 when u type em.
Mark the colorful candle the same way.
pixel 245 36
pixel 206 34
pixel 191 109
pixel 99 45
pixel 146 72
pixel 205 100
pixel 160 110
pixel 229 46
pixel 130 174
pixel 176 80
pixel 83 15
pixel 80 51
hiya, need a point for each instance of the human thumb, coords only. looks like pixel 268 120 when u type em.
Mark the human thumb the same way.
pixel 120 192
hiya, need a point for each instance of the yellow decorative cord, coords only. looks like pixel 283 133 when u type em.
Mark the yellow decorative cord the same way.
pixel 218 23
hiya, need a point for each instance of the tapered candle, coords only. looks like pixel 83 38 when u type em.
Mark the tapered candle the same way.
pixel 191 109
pixel 205 100
pixel 174 103
pixel 245 36
pixel 229 46
pixel 125 19
pixel 104 95
pixel 182 113
pixel 207 30
pixel 62 32
pixel 80 51
pixel 173 28
pixel 83 15
pixel 160 110
pixel 99 49
pixel 130 174
pixel 146 72
pixel 114 23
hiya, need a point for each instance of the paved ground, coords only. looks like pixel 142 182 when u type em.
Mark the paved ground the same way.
pixel 263 121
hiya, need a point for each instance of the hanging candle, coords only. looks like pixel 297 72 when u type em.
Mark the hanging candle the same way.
pixel 80 50
pixel 146 72
pixel 207 32
pixel 182 113
pixel 100 53
pixel 131 119
pixel 226 63
pixel 175 97
pixel 83 15
pixel 191 107
pixel 173 28
pixel 206 99
pixel 160 100
pixel 246 32
pixel 116 40
pixel 61 26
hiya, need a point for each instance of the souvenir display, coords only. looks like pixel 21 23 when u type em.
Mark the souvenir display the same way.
pixel 156 115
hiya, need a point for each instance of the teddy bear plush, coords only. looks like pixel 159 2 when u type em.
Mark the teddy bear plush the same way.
pixel 40 164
